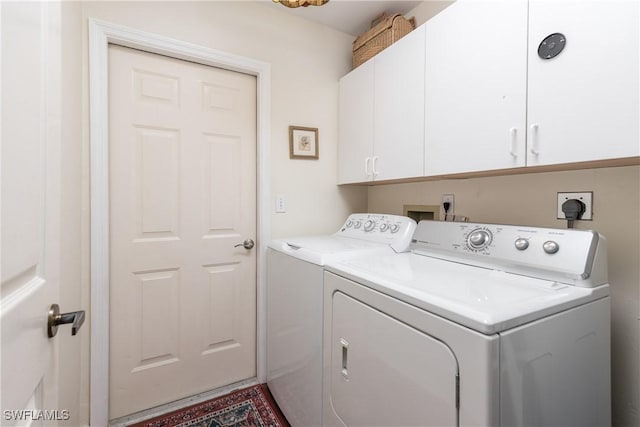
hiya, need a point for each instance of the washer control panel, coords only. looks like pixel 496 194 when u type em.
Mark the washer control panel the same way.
pixel 394 230
pixel 517 249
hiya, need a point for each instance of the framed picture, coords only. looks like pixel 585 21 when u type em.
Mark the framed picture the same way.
pixel 303 142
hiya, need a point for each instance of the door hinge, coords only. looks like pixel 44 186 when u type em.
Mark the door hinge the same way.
pixel 457 391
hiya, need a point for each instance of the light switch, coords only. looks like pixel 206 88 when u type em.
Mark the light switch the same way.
pixel 280 203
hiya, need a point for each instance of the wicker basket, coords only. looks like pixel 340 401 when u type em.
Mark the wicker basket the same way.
pixel 385 31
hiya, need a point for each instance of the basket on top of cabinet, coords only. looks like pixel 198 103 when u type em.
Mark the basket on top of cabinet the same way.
pixel 385 30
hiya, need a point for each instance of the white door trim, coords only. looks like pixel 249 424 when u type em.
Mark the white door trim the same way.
pixel 101 34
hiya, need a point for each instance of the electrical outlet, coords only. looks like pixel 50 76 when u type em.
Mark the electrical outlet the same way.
pixel 450 199
pixel 585 197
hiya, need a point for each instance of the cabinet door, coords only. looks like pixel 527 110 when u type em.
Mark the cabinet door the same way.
pixel 583 104
pixel 384 372
pixel 356 125
pixel 476 87
pixel 398 146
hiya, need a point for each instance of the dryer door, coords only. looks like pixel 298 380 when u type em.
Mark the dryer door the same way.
pixel 384 372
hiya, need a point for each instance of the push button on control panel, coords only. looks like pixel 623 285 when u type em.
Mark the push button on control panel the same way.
pixel 550 247
pixel 521 244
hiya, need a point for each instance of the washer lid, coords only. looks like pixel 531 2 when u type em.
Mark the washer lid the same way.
pixel 488 301
pixel 320 249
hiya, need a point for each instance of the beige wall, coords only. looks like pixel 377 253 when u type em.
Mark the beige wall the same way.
pixel 530 199
pixel 306 60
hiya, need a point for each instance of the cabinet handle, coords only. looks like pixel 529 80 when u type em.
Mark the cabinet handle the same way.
pixel 366 166
pixel 514 142
pixel 534 139
pixel 375 162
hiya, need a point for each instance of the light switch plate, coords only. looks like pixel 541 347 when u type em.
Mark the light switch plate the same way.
pixel 281 206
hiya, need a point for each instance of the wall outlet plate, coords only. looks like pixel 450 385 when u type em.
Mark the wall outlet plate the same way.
pixel 585 197
pixel 452 209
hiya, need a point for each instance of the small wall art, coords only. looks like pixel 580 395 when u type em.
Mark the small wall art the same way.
pixel 303 142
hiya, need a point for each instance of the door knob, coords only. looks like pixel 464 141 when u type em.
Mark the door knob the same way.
pixel 76 318
pixel 247 244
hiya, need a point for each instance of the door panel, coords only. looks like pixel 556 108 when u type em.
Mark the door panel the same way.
pixel 399 108
pixel 356 125
pixel 183 194
pixel 30 208
pixel 583 104
pixel 384 372
pixel 478 48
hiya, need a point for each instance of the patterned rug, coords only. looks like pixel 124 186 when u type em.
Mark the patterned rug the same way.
pixel 249 407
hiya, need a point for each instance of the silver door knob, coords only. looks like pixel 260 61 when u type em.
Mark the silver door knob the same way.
pixel 247 244
pixel 76 318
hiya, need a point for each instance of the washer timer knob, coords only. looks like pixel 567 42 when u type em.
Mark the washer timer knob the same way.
pixel 521 244
pixel 479 239
pixel 550 247
pixel 369 225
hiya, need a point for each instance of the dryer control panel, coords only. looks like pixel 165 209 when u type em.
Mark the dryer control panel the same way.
pixel 571 256
pixel 393 230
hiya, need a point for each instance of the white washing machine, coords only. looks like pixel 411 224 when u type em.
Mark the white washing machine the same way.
pixel 479 325
pixel 294 305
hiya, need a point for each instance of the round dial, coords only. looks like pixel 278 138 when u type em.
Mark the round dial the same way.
pixel 357 224
pixel 349 224
pixel 521 244
pixel 369 225
pixel 394 228
pixel 550 247
pixel 384 227
pixel 479 239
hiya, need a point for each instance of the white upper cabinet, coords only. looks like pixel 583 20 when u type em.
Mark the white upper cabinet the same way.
pixel 489 94
pixel 475 82
pixel 399 108
pixel 381 126
pixel 468 91
pixel 355 131
pixel 583 104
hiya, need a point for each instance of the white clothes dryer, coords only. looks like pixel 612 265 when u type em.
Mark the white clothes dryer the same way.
pixel 480 325
pixel 294 305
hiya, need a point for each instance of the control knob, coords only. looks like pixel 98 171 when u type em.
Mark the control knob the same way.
pixel 357 224
pixel 479 239
pixel 384 227
pixel 394 228
pixel 550 247
pixel 521 244
pixel 369 225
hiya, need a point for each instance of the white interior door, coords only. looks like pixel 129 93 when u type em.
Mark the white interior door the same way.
pixel 182 199
pixel 30 211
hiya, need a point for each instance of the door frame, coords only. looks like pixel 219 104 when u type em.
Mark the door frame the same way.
pixel 101 34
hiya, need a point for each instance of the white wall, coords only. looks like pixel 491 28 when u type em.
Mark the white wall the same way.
pixel 530 199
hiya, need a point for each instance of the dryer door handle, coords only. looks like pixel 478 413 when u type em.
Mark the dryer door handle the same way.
pixel 345 349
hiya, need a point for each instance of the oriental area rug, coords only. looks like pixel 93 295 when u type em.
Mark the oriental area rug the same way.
pixel 250 407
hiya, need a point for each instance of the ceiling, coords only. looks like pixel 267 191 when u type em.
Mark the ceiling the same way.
pixel 351 16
